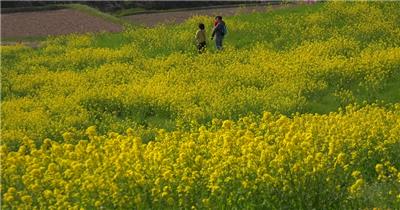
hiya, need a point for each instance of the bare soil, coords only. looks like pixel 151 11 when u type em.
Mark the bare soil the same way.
pixel 53 22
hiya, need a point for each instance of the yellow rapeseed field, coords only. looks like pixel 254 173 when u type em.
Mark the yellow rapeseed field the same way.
pixel 335 161
pixel 300 111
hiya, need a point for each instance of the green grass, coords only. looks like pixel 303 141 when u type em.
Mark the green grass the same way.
pixel 389 92
pixel 130 11
pixel 24 39
pixel 97 13
pixel 109 40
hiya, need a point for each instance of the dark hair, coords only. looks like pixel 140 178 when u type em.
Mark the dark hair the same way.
pixel 201 26
pixel 218 17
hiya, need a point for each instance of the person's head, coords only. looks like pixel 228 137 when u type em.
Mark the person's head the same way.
pixel 218 18
pixel 201 26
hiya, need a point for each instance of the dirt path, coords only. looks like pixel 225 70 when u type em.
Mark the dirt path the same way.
pixel 153 19
pixel 54 22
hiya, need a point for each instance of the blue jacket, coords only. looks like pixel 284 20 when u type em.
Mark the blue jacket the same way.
pixel 219 30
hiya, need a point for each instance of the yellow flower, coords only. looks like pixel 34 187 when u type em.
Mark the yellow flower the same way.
pixel 67 136
pixel 340 159
pixel 97 204
pixel 47 194
pixel 379 168
pixel 8 197
pixel 91 131
pixel 356 174
pixel 227 124
pixel 26 199
pixel 356 187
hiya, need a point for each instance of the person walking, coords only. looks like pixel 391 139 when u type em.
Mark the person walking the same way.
pixel 219 32
pixel 201 38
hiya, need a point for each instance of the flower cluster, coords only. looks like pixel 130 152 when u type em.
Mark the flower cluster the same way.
pixel 334 161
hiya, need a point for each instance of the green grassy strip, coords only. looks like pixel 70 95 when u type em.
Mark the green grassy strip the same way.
pixel 98 13
pixel 23 39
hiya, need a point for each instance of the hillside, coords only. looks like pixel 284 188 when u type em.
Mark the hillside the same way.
pixel 299 111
